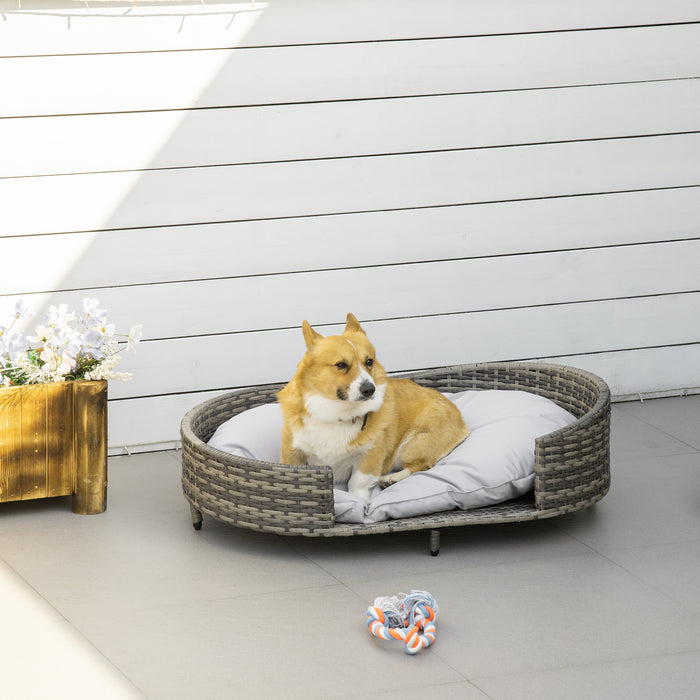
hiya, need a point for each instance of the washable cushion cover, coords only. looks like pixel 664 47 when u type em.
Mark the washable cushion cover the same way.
pixel 494 464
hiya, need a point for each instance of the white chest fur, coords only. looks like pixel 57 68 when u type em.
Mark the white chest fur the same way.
pixel 328 443
pixel 329 429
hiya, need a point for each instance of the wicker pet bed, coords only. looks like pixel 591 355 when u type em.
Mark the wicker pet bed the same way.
pixel 572 465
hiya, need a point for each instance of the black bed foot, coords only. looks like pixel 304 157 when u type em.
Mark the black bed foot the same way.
pixel 196 518
pixel 434 542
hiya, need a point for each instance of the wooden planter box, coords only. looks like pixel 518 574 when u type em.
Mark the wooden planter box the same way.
pixel 53 442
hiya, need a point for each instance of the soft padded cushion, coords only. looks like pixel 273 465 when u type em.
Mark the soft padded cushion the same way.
pixel 254 434
pixel 494 464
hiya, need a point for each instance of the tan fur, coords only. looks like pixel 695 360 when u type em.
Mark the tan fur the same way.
pixel 406 431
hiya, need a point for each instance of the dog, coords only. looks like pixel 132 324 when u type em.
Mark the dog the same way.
pixel 341 410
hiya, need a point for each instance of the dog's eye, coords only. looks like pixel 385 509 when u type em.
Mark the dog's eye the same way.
pixel 369 362
pixel 342 366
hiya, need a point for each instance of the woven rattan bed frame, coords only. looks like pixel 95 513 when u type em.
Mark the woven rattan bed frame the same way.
pixel 572 465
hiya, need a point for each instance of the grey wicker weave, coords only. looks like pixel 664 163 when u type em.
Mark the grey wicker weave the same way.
pixel 572 465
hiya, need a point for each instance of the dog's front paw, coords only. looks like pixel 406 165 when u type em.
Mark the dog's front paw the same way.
pixel 361 493
pixel 360 484
pixel 387 480
pixel 393 478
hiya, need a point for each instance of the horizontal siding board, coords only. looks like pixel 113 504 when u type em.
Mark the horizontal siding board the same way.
pixel 85 261
pixel 47 145
pixel 195 364
pixel 223 78
pixel 151 420
pixel 450 287
pixel 204 363
pixel 229 193
pixel 58 27
pixel 637 372
pixel 136 422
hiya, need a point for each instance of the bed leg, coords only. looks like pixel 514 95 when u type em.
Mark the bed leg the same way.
pixel 434 542
pixel 196 518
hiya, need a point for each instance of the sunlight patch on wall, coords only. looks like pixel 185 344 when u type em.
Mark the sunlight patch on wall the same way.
pixel 36 27
pixel 81 163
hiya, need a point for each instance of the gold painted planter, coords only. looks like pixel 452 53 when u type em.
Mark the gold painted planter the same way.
pixel 53 442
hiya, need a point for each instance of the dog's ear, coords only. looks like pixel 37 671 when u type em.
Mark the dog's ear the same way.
pixel 352 325
pixel 310 335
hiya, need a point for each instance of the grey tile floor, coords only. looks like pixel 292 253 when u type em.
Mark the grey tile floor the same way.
pixel 134 603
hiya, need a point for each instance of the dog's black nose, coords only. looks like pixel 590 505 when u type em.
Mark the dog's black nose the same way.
pixel 367 390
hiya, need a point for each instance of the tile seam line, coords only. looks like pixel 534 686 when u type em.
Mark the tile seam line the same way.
pixel 72 627
pixel 591 664
pixel 694 448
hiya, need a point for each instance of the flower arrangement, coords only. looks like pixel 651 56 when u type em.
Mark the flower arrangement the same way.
pixel 61 351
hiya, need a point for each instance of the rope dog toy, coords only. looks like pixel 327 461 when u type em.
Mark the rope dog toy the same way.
pixel 407 618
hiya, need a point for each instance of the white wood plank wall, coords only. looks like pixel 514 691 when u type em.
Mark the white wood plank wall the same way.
pixel 475 179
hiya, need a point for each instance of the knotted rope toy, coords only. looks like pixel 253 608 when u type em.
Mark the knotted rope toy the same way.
pixel 407 618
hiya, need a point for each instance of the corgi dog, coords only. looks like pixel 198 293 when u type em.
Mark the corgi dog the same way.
pixel 341 410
